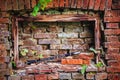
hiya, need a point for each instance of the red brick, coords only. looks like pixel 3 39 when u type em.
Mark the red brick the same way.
pixel 56 3
pixel 27 4
pixel 102 5
pixel 15 4
pixel 21 4
pixel 61 46
pixel 28 77
pixel 3 65
pixel 9 5
pixel 113 63
pixel 112 13
pixel 112 25
pixel 61 3
pixel 113 76
pixel 45 35
pixel 113 50
pixel 2 78
pixel 2 5
pixel 73 3
pixel 112 32
pixel 53 77
pixel 97 4
pixel 91 4
pixel 101 76
pixel 50 5
pixel 90 76
pixel 112 19
pixel 112 44
pixel 4 20
pixel 80 4
pixel 49 41
pixel 33 3
pixel 85 34
pixel 66 3
pixel 112 38
pixel 2 59
pixel 109 4
pixel 41 77
pixel 113 56
pixel 113 69
pixel 15 77
pixel 30 42
pixel 85 4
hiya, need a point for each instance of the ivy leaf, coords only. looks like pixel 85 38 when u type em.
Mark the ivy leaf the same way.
pixel 24 52
pixel 84 67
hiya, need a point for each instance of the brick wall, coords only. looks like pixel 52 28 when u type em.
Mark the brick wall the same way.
pixel 111 10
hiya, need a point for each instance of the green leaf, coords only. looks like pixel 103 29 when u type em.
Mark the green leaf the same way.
pixel 40 56
pixel 23 52
pixel 84 67
pixel 99 64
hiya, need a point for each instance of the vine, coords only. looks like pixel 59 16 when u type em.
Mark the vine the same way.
pixel 40 5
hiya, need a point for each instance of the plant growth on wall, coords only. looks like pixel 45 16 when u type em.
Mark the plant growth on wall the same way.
pixel 40 5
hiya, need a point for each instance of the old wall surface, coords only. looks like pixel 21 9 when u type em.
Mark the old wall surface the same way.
pixel 111 31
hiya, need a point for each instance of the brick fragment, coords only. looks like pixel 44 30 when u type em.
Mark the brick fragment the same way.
pixel 49 41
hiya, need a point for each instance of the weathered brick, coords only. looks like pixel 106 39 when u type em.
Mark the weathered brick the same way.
pixel 113 69
pixel 2 78
pixel 113 56
pixel 112 32
pixel 48 52
pixel 72 61
pixel 2 59
pixel 86 55
pixel 112 25
pixel 4 20
pixel 90 76
pixel 89 40
pixel 113 76
pixel 112 44
pixel 113 50
pixel 15 77
pixel 27 77
pixel 30 42
pixel 61 46
pixel 67 35
pixel 85 34
pixel 101 76
pixel 91 4
pixel 53 77
pixel 72 41
pixel 81 47
pixel 55 29
pixel 41 77
pixel 113 63
pixel 49 41
pixel 112 19
pixel 4 72
pixel 73 27
pixel 3 65
pixel 112 38
pixel 65 76
pixel 77 76
pixel 45 35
